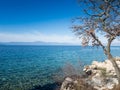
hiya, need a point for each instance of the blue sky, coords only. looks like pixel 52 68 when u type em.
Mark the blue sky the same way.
pixel 38 20
pixel 36 11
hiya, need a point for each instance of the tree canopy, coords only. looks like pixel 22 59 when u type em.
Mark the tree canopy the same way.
pixel 103 17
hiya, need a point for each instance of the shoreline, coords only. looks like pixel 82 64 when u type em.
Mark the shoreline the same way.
pixel 100 76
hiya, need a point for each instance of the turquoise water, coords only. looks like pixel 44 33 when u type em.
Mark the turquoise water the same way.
pixel 23 67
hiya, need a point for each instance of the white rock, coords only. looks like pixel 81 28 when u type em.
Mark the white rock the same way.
pixel 93 66
pixel 65 83
pixel 117 58
pixel 95 63
pixel 97 80
pixel 69 79
pixel 109 85
pixel 118 62
pixel 114 80
pixel 75 81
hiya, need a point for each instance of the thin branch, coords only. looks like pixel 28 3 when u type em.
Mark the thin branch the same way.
pixel 95 15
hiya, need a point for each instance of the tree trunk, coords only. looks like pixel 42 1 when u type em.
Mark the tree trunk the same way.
pixel 117 69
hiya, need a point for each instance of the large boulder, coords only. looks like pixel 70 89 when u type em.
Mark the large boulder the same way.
pixel 103 75
pixel 67 84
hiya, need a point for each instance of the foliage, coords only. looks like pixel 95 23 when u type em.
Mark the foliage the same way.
pixel 117 87
pixel 103 71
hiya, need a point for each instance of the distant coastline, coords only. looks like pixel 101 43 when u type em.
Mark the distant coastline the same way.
pixel 37 43
pixel 40 43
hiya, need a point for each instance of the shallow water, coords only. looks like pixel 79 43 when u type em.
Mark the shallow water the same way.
pixel 23 67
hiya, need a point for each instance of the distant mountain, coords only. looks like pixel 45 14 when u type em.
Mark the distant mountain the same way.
pixel 33 43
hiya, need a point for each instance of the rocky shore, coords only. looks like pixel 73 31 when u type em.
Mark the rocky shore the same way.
pixel 100 76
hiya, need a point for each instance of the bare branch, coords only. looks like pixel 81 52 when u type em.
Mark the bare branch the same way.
pixel 99 42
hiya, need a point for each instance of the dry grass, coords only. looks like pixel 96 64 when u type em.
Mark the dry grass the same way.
pixel 117 87
pixel 82 85
pixel 68 70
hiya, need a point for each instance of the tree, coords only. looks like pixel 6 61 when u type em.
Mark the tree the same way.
pixel 101 17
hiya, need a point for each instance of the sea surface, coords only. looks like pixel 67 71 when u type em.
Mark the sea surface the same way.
pixel 23 67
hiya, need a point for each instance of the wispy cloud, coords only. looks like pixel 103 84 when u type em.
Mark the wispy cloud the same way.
pixel 37 36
